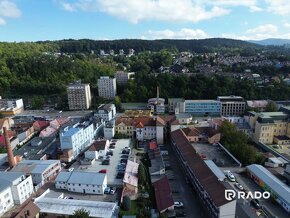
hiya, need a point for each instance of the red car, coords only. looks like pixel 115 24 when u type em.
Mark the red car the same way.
pixel 103 171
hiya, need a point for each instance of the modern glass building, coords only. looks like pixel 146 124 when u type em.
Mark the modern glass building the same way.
pixel 202 107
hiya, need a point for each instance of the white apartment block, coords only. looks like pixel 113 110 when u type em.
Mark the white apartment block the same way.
pixel 79 96
pixel 78 137
pixel 82 182
pixel 6 200
pixel 20 184
pixel 123 77
pixel 106 111
pixel 107 87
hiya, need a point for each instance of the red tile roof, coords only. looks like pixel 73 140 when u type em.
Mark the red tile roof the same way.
pixel 191 132
pixel 31 207
pixel 98 145
pixel 163 194
pixel 41 124
pixel 205 176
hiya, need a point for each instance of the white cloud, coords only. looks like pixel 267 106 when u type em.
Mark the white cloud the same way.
pixel 286 24
pixel 164 10
pixel 263 29
pixel 281 7
pixel 2 21
pixel 8 9
pixel 258 33
pixel 68 7
pixel 251 4
pixel 184 33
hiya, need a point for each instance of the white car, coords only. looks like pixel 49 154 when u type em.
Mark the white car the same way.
pixel 178 204
pixel 230 176
pixel 71 169
pixel 239 186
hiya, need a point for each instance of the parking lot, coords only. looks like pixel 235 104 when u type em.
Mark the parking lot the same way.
pixel 181 191
pixel 111 168
pixel 250 185
pixel 214 153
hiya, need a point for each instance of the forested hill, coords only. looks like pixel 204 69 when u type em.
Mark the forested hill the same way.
pixel 202 45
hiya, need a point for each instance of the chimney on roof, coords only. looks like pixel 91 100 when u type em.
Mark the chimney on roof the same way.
pixel 10 155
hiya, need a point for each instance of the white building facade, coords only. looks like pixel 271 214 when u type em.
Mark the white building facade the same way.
pixel 106 111
pixel 107 87
pixel 82 182
pixel 6 200
pixel 77 138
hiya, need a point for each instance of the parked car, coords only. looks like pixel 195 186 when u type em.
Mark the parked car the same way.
pixel 123 160
pixel 125 152
pixel 103 171
pixel 178 204
pixel 71 169
pixel 110 152
pixel 120 175
pixel 106 162
pixel 180 214
pixel 126 156
pixel 112 146
pixel 239 186
pixel 107 190
pixel 255 203
pixel 230 176
pixel 70 198
pixel 113 190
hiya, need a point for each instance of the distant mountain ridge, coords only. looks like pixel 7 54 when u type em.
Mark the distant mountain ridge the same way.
pixel 271 41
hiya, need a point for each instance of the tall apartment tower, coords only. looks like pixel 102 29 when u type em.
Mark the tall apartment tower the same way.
pixel 107 87
pixel 79 96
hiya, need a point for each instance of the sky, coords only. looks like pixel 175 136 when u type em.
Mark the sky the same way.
pixel 37 20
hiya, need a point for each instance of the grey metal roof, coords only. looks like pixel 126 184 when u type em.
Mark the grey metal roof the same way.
pixel 10 176
pixel 34 166
pixel 281 189
pixel 4 185
pixel 213 167
pixel 63 176
pixel 87 178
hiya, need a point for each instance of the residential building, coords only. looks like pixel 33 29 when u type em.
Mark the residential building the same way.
pixel 77 137
pixel 6 122
pixel 82 182
pixel 141 128
pixel 122 77
pixel 109 130
pixel 204 134
pixel 279 191
pixel 106 111
pixel 30 210
pixel 20 184
pixel 42 171
pixel 201 107
pixel 232 105
pixel 209 189
pixel 54 125
pixel 10 107
pixel 6 198
pixel 97 149
pixel 163 195
pixel 130 180
pixel 268 126
pixel 79 96
pixel 107 87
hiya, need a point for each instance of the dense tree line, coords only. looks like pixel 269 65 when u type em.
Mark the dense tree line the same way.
pixel 237 143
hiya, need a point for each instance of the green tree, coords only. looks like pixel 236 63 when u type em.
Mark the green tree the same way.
pixel 142 178
pixel 81 213
pixel 118 103
pixel 126 204
pixel 37 102
pixel 271 107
